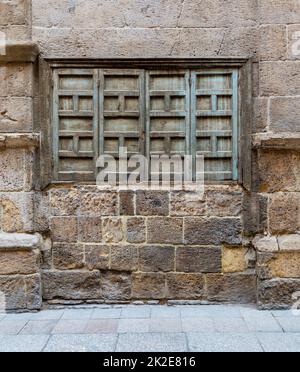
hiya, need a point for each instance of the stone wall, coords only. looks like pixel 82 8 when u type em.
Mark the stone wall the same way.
pixel 126 246
pixel 239 242
pixel 20 279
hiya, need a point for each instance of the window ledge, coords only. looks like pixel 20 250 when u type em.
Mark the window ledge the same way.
pixel 276 141
pixel 19 140
pixel 20 52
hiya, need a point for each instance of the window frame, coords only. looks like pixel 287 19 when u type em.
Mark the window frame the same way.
pixel 48 66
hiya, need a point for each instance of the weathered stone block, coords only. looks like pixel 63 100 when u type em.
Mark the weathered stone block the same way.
pixel 16 32
pixel 71 285
pixel 260 114
pixel 232 288
pixel 234 259
pixel 64 229
pixel 255 213
pixel 284 213
pixel 46 253
pixel 165 230
pixel 214 14
pixel 14 162
pixel 266 244
pixel 185 286
pixel 152 203
pixel 13 262
pixel 279 265
pixel 199 260
pixel 135 14
pixel 16 80
pixel 14 290
pixel 284 113
pixel 149 286
pixel 124 258
pixel 278 171
pixel 41 212
pixel 272 74
pixel 97 204
pixel 241 41
pixel 64 202
pixel 187 204
pixel 21 292
pixel 279 11
pixel 213 231
pixel 127 207
pixel 16 114
pixel 14 12
pixel 224 204
pixel 90 229
pixel 112 229
pixel 68 256
pixel 33 292
pixel 289 242
pixel 273 42
pixel 136 230
pixel 97 257
pixel 116 286
pixel 17 211
pixel 293 42
pixel 278 293
pixel 153 259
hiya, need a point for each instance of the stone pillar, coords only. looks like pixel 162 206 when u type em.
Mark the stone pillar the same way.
pixel 20 286
pixel 277 148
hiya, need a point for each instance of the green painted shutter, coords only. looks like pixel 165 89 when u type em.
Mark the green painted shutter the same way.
pixel 75 124
pixel 121 111
pixel 173 112
pixel 214 122
pixel 167 102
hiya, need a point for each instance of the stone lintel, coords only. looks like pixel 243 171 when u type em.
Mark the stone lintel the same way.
pixel 276 141
pixel 21 51
pixel 19 241
pixel 19 140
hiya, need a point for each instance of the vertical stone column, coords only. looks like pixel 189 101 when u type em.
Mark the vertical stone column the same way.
pixel 277 145
pixel 19 247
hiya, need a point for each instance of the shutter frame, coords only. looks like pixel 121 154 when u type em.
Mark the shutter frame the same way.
pixel 246 125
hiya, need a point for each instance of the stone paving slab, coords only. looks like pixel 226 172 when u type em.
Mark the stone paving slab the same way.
pixel 223 342
pixel 280 343
pixel 23 343
pixel 82 343
pixel 151 328
pixel 39 327
pixel 106 314
pixel 152 342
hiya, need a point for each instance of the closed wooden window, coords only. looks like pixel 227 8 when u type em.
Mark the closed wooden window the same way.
pixel 150 112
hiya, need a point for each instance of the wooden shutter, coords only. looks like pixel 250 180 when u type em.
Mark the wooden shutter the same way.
pixel 121 111
pixel 167 102
pixel 214 122
pixel 75 124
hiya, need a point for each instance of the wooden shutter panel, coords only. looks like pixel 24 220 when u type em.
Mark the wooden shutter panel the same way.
pixel 167 102
pixel 121 111
pixel 75 124
pixel 215 122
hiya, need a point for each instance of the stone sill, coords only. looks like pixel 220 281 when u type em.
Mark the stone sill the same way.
pixel 278 141
pixel 25 51
pixel 19 140
pixel 19 241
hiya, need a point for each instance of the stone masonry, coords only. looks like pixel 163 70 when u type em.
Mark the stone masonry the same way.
pixel 71 243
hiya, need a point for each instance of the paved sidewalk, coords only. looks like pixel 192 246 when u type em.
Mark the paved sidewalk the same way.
pixel 151 329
